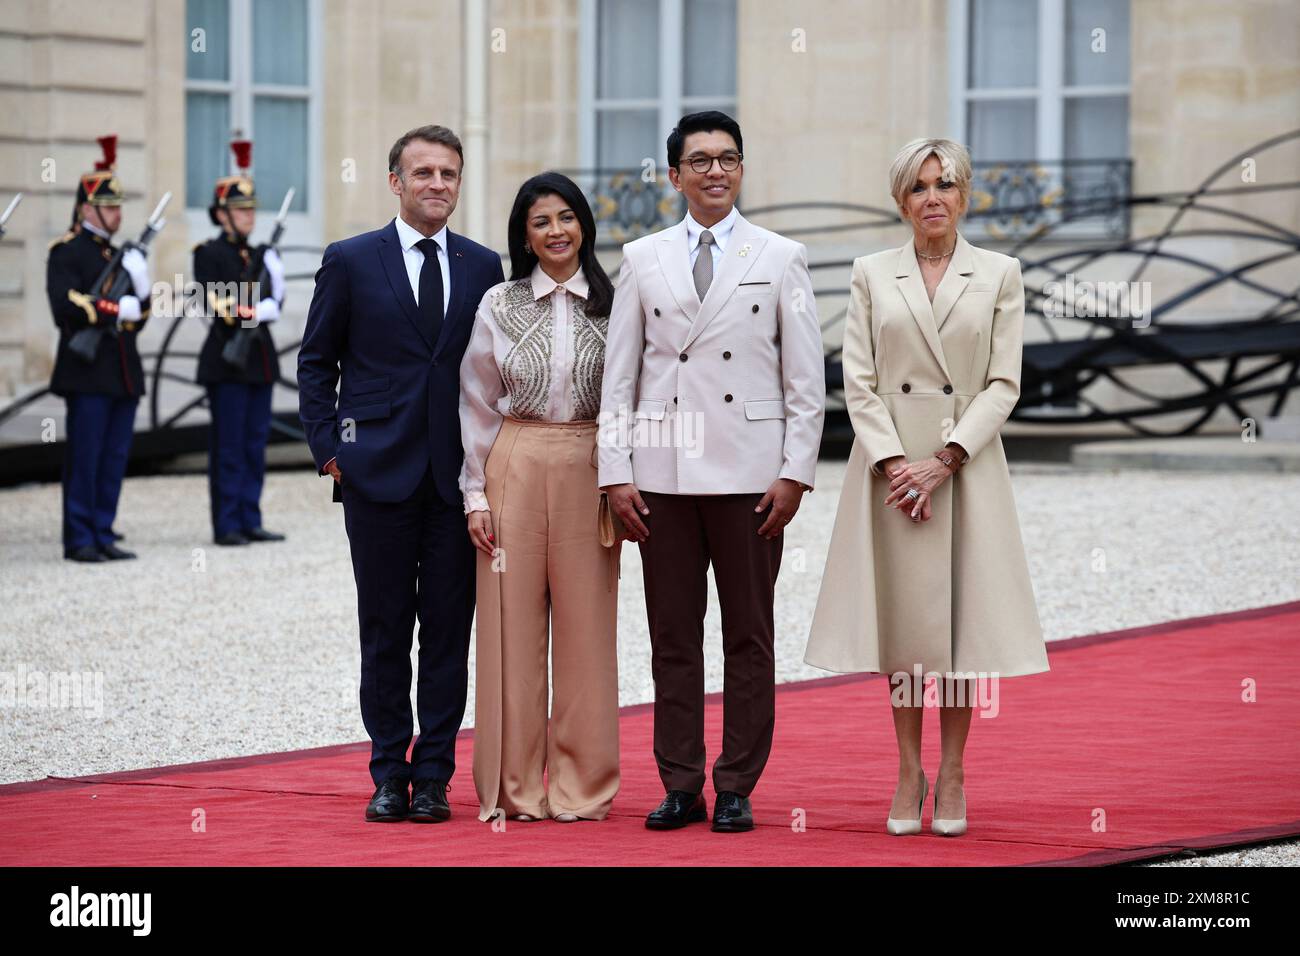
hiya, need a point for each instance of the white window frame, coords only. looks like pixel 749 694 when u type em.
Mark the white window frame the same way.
pixel 301 228
pixel 1049 95
pixel 670 104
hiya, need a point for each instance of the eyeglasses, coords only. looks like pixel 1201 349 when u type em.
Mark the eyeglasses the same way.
pixel 728 161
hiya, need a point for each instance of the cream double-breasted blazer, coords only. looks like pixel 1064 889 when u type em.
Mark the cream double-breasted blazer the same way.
pixel 951 594
pixel 720 396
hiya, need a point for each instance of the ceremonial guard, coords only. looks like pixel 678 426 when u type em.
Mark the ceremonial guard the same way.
pixel 100 299
pixel 244 291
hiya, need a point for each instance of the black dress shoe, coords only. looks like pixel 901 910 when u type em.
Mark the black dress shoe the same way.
pixel 261 534
pixel 115 534
pixel 732 813
pixel 390 802
pixel 231 540
pixel 113 553
pixel 429 802
pixel 87 554
pixel 678 809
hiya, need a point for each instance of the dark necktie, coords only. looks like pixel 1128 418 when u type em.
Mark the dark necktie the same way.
pixel 430 289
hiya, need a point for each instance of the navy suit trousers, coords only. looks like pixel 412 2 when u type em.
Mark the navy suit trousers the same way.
pixel 413 561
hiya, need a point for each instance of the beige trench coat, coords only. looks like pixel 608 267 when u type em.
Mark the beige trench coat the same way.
pixel 951 594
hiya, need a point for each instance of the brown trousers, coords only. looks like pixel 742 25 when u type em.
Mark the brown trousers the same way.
pixel 549 572
pixel 687 534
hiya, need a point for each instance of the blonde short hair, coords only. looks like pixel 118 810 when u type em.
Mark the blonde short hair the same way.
pixel 954 160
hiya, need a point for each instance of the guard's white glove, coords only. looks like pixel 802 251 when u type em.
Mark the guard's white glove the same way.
pixel 137 267
pixel 268 310
pixel 128 310
pixel 275 272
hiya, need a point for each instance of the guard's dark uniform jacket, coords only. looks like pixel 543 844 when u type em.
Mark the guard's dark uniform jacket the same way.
pixel 219 264
pixel 76 261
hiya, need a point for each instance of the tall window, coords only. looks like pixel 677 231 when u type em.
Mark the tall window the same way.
pixel 644 64
pixel 1041 79
pixel 250 71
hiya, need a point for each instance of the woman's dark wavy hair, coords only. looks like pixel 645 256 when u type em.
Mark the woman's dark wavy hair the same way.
pixel 522 262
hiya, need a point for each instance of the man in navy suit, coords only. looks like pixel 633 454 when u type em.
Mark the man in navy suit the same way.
pixel 390 317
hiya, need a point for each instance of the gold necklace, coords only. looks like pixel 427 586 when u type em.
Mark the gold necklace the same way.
pixel 944 256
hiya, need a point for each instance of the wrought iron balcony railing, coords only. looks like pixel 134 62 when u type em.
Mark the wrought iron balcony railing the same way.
pixel 628 203
pixel 1074 199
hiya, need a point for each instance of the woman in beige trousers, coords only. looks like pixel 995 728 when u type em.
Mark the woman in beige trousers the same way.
pixel 926 574
pixel 530 394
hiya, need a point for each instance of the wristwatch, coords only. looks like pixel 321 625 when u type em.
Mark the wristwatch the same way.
pixel 949 460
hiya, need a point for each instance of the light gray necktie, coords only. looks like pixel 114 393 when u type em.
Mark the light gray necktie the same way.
pixel 703 271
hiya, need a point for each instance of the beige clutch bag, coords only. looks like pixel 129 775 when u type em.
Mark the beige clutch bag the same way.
pixel 609 525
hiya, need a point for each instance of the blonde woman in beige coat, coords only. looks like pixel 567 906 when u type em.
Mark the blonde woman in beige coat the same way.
pixel 926 571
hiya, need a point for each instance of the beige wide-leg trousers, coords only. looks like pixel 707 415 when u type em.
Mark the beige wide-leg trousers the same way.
pixel 548 567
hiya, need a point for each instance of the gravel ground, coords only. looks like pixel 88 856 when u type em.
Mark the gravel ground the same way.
pixel 210 652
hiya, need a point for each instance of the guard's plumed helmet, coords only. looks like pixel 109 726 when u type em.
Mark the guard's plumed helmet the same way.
pixel 235 192
pixel 101 187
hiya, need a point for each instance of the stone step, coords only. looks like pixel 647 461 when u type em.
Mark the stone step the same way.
pixel 1226 453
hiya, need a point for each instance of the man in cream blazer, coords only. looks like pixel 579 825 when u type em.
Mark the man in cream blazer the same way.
pixel 711 417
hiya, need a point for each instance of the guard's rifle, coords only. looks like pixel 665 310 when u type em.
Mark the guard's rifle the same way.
pixel 9 211
pixel 115 282
pixel 235 352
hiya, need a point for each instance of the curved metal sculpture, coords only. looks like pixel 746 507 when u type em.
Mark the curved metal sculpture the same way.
pixel 1114 348
pixel 1060 375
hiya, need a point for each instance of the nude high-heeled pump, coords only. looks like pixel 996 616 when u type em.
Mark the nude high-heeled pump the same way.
pixel 907 827
pixel 954 827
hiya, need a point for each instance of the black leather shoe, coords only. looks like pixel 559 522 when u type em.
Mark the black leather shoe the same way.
pixel 390 802
pixel 429 802
pixel 115 534
pixel 261 534
pixel 678 809
pixel 113 553
pixel 732 813
pixel 233 539
pixel 87 554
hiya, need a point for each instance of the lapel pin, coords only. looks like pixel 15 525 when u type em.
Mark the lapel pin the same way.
pixel 744 250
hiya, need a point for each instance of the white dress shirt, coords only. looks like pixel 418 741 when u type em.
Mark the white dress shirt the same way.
pixel 408 235
pixel 721 233
pixel 485 398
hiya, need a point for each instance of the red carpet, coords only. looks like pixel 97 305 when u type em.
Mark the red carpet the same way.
pixel 1146 726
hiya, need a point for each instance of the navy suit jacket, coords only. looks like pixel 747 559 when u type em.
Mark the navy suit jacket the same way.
pixel 396 414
